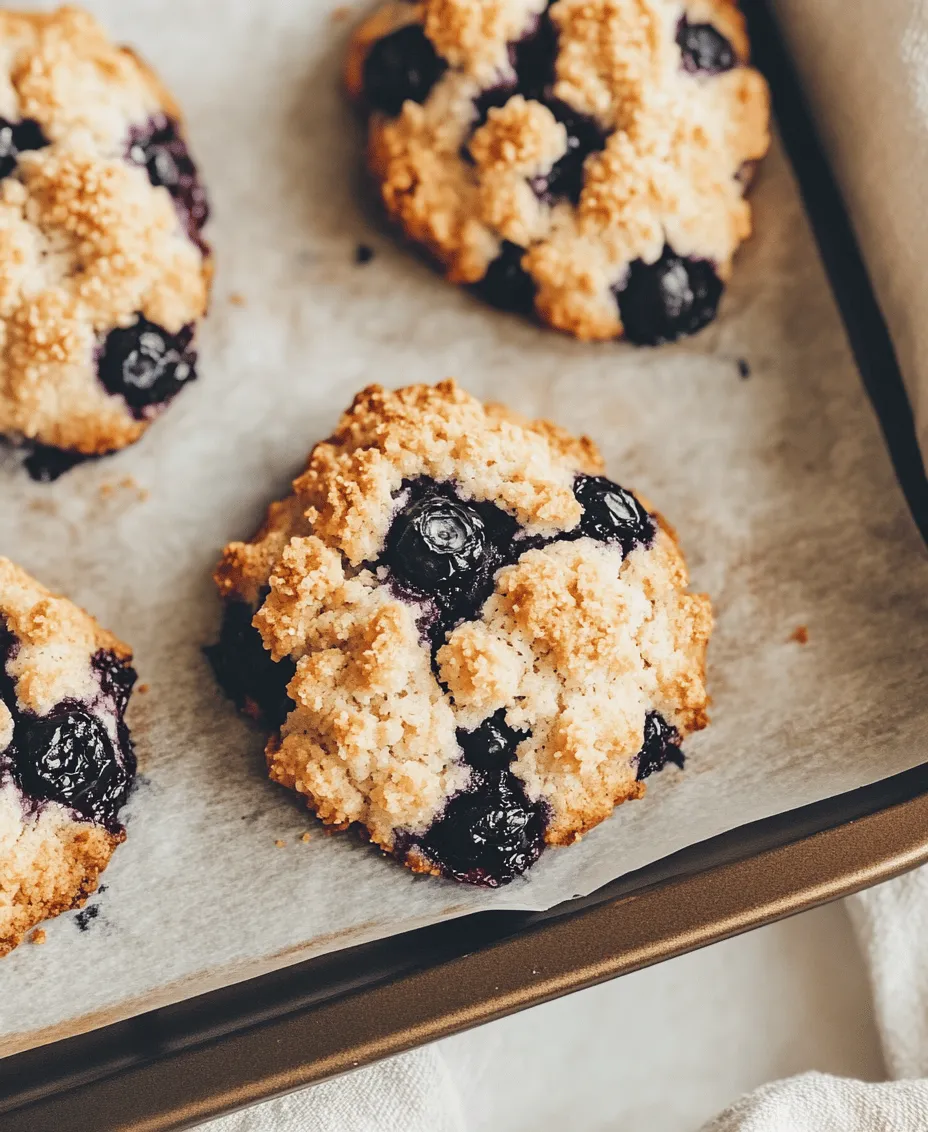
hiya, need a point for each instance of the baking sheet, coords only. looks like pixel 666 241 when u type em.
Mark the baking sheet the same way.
pixel 779 485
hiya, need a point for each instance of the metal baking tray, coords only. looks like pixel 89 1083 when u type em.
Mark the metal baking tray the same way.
pixel 177 1066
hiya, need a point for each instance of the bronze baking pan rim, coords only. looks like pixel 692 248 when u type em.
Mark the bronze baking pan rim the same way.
pixel 180 1065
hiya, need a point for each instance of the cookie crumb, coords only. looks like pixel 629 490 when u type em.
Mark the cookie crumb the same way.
pixel 280 843
pixel 800 635
pixel 363 253
pixel 306 837
pixel 106 489
pixel 38 936
pixel 143 689
pixel 237 299
pixel 43 506
pixel 82 919
pixel 744 369
pixel 340 14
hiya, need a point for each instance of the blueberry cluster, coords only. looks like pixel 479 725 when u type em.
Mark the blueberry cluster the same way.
pixel 446 552
pixel 658 302
pixel 160 149
pixel 16 138
pixel 67 756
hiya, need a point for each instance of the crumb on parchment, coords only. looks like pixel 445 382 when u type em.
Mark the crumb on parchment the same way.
pixel 800 635
pixel 38 936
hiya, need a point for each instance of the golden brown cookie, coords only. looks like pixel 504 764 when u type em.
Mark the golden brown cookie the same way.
pixel 463 636
pixel 103 269
pixel 66 758
pixel 583 160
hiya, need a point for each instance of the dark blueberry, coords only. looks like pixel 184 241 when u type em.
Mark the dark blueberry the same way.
pixel 488 834
pixel 402 65
pixel 438 544
pixel 9 645
pixel 612 514
pixel 491 746
pixel 506 284
pixel 663 301
pixel 363 253
pixel 584 136
pixel 145 365
pixel 16 138
pixel 160 148
pixel 68 757
pixel 117 678
pixel 487 100
pixel 661 746
pixel 245 670
pixel 446 550
pixel 46 464
pixel 705 50
pixel 533 59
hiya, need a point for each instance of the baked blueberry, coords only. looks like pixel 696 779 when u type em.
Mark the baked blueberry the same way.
pixel 612 514
pixel 66 757
pixel 665 300
pixel 246 671
pixel 447 550
pixel 438 546
pixel 117 678
pixel 506 284
pixel 403 65
pixel 474 654
pixel 113 190
pixel 488 834
pixel 162 150
pixel 16 138
pixel 492 745
pixel 584 136
pixel 704 49
pixel 146 365
pixel 661 745
pixel 46 464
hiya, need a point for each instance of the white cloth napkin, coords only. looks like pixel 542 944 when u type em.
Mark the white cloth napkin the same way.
pixel 411 1093
pixel 891 922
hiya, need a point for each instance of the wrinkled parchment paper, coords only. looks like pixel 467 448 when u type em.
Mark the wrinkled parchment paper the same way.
pixel 865 74
pixel 779 485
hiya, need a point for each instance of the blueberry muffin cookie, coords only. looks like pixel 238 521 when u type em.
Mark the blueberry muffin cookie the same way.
pixel 463 636
pixel 66 760
pixel 583 160
pixel 103 269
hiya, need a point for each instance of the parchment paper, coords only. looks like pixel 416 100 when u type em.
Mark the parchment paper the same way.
pixel 780 488
pixel 864 69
